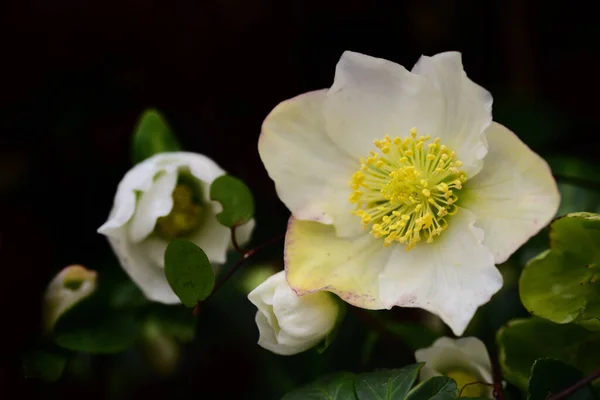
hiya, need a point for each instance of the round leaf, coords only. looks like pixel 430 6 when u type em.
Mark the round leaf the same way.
pixel 188 271
pixel 523 341
pixel 563 283
pixel 236 199
pixel 550 376
pixel 152 135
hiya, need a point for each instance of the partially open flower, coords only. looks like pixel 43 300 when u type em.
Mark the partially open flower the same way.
pixel 465 360
pixel 162 198
pixel 402 189
pixel 289 324
pixel 71 285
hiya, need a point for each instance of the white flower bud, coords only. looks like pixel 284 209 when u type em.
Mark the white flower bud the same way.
pixel 69 287
pixel 289 324
pixel 465 360
pixel 164 197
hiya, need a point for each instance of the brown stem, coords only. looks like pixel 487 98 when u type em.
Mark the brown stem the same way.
pixel 238 263
pixel 571 389
pixel 498 392
pixel 234 241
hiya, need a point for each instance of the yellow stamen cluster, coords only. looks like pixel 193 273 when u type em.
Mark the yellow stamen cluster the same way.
pixel 185 216
pixel 406 191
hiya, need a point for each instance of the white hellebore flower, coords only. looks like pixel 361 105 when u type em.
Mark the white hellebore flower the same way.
pixel 289 324
pixel 465 360
pixel 402 189
pixel 71 285
pixel 164 197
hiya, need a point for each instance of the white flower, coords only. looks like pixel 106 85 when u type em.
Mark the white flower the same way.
pixel 71 285
pixel 465 360
pixel 166 196
pixel 403 192
pixel 289 324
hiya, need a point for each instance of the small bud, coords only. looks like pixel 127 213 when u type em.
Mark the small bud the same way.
pixel 69 287
pixel 290 324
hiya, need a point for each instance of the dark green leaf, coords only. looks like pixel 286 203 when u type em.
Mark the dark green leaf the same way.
pixel 335 387
pixel 436 388
pixel 523 341
pixel 236 199
pixel 563 283
pixel 44 364
pixel 549 377
pixel 152 135
pixel 387 385
pixel 96 329
pixel 188 271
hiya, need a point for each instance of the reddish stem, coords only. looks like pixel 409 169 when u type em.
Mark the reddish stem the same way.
pixel 571 389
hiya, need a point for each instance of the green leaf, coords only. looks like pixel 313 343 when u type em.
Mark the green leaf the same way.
pixel 97 329
pixel 387 385
pixel 549 377
pixel 563 283
pixel 151 136
pixel 335 387
pixel 236 199
pixel 436 388
pixel 44 364
pixel 523 341
pixel 188 271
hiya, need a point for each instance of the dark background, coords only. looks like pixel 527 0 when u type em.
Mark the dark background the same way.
pixel 77 74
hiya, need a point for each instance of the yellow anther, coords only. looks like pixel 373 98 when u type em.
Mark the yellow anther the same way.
pixel 403 196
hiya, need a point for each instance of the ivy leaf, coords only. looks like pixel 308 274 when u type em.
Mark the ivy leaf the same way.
pixel 188 271
pixel 523 341
pixel 335 387
pixel 151 136
pixel 44 364
pixel 436 388
pixel 387 385
pixel 563 284
pixel 236 199
pixel 96 329
pixel 549 377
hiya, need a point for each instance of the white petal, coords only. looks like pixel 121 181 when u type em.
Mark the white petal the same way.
pixel 308 317
pixel 317 259
pixel 142 268
pixel 310 172
pixel 269 341
pixel 154 203
pixel 513 197
pixel 243 234
pixel 213 238
pixel 262 296
pixel 372 97
pixel 467 110
pixel 450 277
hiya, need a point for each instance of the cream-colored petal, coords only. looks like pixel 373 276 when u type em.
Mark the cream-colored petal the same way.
pixel 310 172
pixel 213 238
pixel 450 277
pixel 372 97
pixel 243 233
pixel 154 203
pixel 316 259
pixel 467 109
pixel 513 197
pixel 142 269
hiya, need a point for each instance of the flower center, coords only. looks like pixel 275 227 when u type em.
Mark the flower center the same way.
pixel 463 379
pixel 185 216
pixel 407 191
